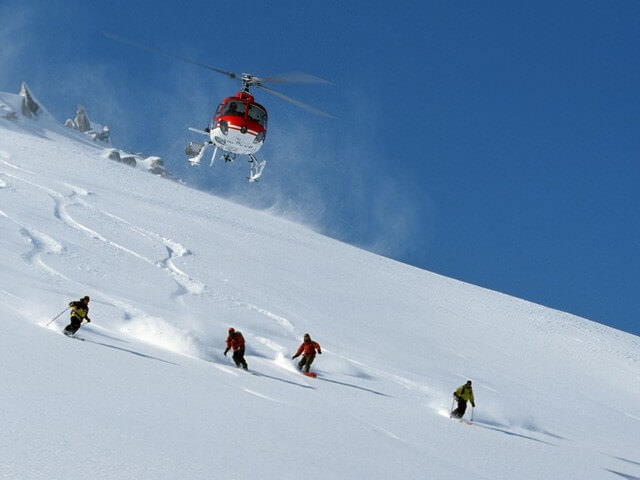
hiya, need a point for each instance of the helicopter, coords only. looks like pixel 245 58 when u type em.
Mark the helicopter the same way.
pixel 239 124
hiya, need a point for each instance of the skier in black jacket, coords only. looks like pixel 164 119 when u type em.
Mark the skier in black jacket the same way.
pixel 79 312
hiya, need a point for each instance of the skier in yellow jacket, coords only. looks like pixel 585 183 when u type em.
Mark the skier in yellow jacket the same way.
pixel 463 394
pixel 79 312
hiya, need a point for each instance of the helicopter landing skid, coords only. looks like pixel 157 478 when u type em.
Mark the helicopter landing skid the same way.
pixel 255 168
pixel 195 152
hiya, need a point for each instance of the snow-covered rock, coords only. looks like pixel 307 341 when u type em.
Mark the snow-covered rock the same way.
pixel 82 123
pixel 25 109
pixel 30 106
pixel 152 164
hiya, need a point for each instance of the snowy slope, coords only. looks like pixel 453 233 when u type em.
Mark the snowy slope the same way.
pixel 149 394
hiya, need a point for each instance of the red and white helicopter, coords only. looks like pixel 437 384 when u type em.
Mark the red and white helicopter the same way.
pixel 239 124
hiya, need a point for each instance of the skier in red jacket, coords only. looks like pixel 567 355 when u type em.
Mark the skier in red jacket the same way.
pixel 308 350
pixel 235 341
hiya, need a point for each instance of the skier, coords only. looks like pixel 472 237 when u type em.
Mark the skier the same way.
pixel 235 341
pixel 79 312
pixel 308 350
pixel 463 394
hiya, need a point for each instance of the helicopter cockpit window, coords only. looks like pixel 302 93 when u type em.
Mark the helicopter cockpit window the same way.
pixel 235 108
pixel 257 114
pixel 219 109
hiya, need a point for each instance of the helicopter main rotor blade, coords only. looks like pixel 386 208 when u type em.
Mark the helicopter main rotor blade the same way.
pixel 294 77
pixel 297 103
pixel 120 39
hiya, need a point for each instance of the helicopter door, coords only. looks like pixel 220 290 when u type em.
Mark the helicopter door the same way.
pixel 258 115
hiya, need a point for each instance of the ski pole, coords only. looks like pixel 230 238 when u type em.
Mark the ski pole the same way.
pixel 57 316
pixel 453 402
pixel 472 408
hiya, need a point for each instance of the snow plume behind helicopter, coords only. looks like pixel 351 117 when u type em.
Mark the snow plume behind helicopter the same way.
pixel 330 186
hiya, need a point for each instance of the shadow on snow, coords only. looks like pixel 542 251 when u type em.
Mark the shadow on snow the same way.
pixel 290 382
pixel 626 460
pixel 132 352
pixel 490 426
pixel 623 475
pixel 354 386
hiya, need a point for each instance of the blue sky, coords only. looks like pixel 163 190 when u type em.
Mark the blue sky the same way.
pixel 493 142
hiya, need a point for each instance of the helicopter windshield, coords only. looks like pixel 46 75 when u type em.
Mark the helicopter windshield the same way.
pixel 235 108
pixel 258 115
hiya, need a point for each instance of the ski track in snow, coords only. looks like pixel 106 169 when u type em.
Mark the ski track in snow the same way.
pixel 261 395
pixel 77 190
pixel 270 344
pixel 61 205
pixel 41 243
pixel 5 160
pixel 226 369
pixel 388 433
pixel 283 322
pixel 186 284
pixel 288 328
pixel 175 250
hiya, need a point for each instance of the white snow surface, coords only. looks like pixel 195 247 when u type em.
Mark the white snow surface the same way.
pixel 149 394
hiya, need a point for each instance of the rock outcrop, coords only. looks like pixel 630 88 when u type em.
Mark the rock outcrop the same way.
pixel 30 107
pixel 82 123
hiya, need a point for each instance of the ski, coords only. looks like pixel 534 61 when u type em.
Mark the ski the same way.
pixel 462 420
pixel 74 337
pixel 310 374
